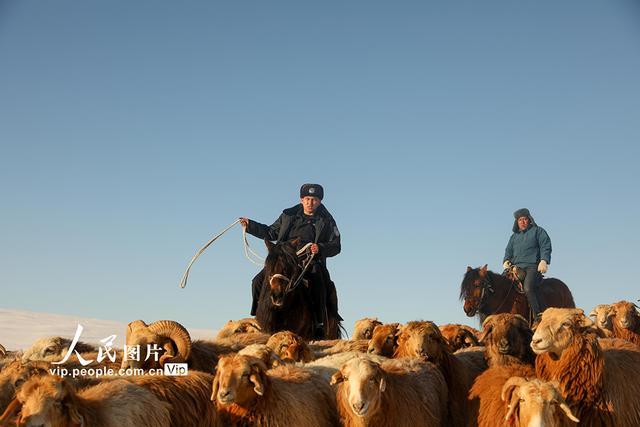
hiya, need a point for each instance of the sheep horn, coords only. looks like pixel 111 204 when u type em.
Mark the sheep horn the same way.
pixel 518 316
pixel 511 382
pixel 488 317
pixel 565 408
pixel 176 333
pixel 3 350
pixel 12 410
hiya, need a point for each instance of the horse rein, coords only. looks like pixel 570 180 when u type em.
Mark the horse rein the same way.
pixel 485 285
pixel 289 287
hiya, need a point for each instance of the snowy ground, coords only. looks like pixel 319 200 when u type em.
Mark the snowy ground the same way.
pixel 19 328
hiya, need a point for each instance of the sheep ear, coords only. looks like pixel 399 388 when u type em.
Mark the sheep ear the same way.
pixel 258 384
pixel 483 270
pixel 336 378
pixel 214 388
pixel 383 385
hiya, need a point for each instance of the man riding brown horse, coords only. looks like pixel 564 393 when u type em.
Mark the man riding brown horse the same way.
pixel 310 224
pixel 529 249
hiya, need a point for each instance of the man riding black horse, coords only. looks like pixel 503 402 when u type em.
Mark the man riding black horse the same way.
pixel 307 223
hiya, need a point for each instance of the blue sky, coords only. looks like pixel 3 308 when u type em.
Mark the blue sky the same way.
pixel 131 132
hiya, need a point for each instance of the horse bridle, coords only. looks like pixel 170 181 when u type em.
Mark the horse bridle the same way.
pixel 485 286
pixel 291 287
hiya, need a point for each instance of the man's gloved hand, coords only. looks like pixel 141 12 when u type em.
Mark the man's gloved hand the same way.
pixel 506 265
pixel 542 267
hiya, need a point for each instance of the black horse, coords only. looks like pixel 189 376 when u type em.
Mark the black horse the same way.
pixel 485 292
pixel 285 302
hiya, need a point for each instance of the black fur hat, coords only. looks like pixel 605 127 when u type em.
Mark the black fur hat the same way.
pixel 313 190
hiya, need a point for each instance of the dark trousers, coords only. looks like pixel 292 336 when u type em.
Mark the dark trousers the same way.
pixel 317 276
pixel 531 281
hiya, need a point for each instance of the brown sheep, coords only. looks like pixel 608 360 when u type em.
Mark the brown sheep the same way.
pixel 248 325
pixel 245 393
pixel 409 393
pixel 15 374
pixel 486 391
pixel 625 321
pixel 176 346
pixel 290 347
pixel 384 340
pixel 188 396
pixel 423 339
pixel 601 314
pixel 507 339
pixel 533 403
pixel 18 372
pixel 538 399
pixel 363 328
pixel 601 386
pixel 329 365
pixel 460 336
pixel 55 402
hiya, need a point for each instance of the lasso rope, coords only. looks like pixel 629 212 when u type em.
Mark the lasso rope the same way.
pixel 247 251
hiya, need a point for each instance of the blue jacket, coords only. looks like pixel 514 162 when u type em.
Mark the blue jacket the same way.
pixel 526 248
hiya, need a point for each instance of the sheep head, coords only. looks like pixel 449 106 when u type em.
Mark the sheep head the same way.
pixel 289 347
pixel 422 339
pixel 247 325
pixel 507 336
pixel 239 380
pixel 602 314
pixel 363 328
pixel 534 402
pixel 170 336
pixel 458 336
pixel 557 330
pixel 362 384
pixel 14 375
pixel 47 401
pixel 384 339
pixel 52 349
pixel 626 315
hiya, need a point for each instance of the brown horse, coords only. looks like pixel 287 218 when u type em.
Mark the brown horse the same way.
pixel 285 301
pixel 485 292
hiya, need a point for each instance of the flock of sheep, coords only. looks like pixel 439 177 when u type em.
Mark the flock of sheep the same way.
pixel 568 370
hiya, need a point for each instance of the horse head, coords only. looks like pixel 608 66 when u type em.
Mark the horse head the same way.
pixel 281 270
pixel 473 289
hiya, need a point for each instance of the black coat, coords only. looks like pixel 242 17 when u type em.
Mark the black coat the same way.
pixel 327 235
